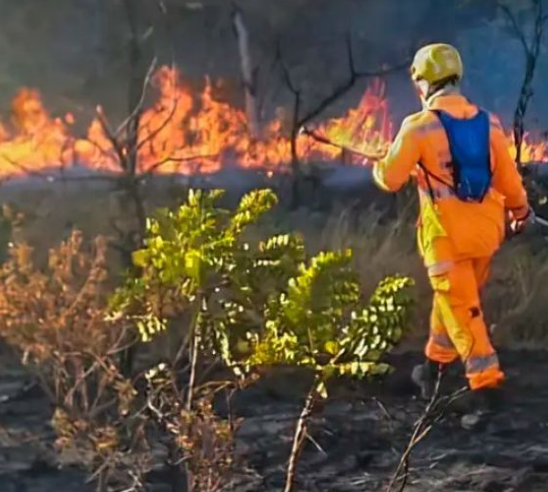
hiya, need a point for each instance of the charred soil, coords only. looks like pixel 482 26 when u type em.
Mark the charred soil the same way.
pixel 356 438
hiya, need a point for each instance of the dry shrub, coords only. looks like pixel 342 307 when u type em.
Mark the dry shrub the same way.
pixel 516 297
pixel 56 319
pixel 200 443
pixel 208 443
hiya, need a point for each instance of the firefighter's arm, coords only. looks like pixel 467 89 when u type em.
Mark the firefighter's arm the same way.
pixel 506 178
pixel 392 172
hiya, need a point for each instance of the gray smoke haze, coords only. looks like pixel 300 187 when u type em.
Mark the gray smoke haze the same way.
pixel 75 51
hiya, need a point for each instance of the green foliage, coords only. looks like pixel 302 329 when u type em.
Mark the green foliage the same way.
pixel 196 258
pixel 262 303
pixel 320 321
pixel 183 248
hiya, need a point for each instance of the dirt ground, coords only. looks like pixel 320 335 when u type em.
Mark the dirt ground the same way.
pixel 358 438
pixel 361 432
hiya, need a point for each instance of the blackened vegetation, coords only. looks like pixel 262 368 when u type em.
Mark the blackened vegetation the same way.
pixel 357 439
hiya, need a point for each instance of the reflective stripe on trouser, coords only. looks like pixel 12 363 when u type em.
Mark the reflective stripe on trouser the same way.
pixel 457 325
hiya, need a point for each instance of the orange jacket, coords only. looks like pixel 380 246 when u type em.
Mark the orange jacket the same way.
pixel 450 229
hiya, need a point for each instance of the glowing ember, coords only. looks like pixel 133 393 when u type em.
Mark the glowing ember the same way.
pixel 180 133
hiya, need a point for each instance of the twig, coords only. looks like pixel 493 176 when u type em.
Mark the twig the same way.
pixel 514 22
pixel 433 413
pixel 155 133
pixel 269 76
pixel 139 107
pixel 384 410
pixel 193 366
pixel 346 86
pixel 111 136
pixel 316 444
pixel 300 435
pixel 295 163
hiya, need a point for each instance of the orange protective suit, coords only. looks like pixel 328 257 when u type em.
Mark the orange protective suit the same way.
pixel 456 239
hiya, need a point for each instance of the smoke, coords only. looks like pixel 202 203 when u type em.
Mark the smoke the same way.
pixel 75 52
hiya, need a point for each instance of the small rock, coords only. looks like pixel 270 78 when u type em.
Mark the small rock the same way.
pixel 473 422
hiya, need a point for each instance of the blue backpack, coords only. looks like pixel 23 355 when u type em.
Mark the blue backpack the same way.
pixel 469 144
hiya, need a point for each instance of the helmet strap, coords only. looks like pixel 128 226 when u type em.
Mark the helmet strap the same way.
pixel 423 88
pixel 443 87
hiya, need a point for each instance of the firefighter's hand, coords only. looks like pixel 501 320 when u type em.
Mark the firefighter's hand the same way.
pixel 519 224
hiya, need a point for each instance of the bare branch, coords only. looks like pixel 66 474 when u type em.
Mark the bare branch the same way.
pixel 118 148
pixel 346 86
pixel 433 413
pixel 158 130
pixel 514 23
pixel 296 112
pixel 139 106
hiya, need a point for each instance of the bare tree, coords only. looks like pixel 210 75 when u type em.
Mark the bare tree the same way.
pixel 249 73
pixel 531 48
pixel 302 118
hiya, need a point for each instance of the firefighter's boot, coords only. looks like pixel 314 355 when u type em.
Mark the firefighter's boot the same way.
pixel 425 377
pixel 484 405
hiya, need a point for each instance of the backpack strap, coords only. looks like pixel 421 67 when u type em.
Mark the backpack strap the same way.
pixel 430 174
pixel 428 182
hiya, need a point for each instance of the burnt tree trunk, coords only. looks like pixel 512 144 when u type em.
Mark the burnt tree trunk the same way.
pixel 249 74
pixel 532 51
pixel 130 184
pixel 138 72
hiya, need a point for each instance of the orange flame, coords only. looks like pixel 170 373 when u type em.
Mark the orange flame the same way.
pixel 180 133
pixel 531 150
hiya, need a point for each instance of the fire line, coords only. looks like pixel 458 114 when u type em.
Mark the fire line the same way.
pixel 186 134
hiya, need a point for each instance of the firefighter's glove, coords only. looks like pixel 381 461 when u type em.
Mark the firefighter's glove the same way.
pixel 518 223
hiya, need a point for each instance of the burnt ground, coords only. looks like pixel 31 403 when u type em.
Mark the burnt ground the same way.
pixel 358 437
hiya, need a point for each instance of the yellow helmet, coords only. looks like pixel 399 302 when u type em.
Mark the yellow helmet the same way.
pixel 437 62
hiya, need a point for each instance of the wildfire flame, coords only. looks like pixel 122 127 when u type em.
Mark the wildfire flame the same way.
pixel 181 133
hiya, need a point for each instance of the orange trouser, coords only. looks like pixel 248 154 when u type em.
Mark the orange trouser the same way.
pixel 457 325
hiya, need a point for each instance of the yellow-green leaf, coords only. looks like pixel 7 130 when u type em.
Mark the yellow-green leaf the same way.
pixel 139 258
pixel 321 389
pixel 332 347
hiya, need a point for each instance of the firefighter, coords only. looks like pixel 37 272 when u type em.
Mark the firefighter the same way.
pixel 468 184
